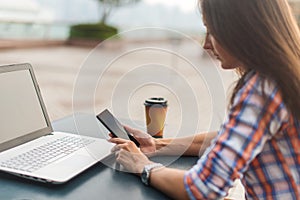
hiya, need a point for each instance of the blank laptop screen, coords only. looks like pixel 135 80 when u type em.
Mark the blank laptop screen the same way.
pixel 20 110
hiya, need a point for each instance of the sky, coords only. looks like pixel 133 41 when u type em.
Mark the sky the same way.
pixel 184 5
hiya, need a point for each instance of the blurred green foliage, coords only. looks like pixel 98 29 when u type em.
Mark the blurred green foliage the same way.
pixel 96 31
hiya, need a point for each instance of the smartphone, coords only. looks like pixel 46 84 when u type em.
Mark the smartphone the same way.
pixel 115 127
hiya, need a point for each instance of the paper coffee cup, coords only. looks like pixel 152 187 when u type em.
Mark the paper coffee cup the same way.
pixel 155 110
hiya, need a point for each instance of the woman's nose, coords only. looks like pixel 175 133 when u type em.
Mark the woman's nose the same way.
pixel 207 43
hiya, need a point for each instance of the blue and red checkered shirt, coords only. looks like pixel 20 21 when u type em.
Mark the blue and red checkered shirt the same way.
pixel 259 143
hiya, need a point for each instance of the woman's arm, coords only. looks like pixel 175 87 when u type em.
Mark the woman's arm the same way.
pixel 169 181
pixel 188 146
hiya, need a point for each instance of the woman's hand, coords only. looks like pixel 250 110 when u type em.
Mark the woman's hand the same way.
pixel 147 143
pixel 128 155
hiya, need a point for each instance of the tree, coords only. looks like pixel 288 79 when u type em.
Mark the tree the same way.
pixel 106 7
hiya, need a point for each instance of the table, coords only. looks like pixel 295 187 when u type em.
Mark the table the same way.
pixel 98 182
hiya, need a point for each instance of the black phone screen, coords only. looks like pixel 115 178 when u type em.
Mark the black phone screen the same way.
pixel 114 126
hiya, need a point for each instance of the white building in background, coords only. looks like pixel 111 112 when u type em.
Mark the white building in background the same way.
pixel 27 19
pixel 24 11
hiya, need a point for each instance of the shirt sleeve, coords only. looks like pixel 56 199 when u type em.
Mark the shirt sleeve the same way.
pixel 253 119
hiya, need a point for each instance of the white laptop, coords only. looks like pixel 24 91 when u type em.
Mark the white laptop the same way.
pixel 28 146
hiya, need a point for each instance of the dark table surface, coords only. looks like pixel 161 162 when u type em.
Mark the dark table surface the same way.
pixel 98 182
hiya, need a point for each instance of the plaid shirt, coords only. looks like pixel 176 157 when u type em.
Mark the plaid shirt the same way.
pixel 259 143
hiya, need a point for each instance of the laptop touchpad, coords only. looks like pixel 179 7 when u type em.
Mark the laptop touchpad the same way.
pixel 72 165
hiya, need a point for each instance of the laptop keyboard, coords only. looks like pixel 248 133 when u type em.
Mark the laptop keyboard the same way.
pixel 46 154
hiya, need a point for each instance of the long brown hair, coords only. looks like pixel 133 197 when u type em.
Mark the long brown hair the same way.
pixel 264 36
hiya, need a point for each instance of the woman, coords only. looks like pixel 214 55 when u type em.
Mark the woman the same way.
pixel 259 142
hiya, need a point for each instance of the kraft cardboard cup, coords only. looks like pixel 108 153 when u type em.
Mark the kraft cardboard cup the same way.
pixel 156 110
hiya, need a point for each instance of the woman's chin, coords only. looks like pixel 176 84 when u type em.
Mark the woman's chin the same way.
pixel 224 66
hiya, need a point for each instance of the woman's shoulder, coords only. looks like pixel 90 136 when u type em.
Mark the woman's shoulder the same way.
pixel 258 89
pixel 258 83
pixel 258 96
